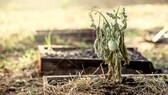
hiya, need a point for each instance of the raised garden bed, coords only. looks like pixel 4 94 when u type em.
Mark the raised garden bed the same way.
pixel 58 60
pixel 72 37
pixel 150 84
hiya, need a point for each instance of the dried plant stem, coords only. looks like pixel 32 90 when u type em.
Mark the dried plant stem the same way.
pixel 109 43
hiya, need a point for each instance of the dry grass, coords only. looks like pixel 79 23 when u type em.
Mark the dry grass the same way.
pixel 132 85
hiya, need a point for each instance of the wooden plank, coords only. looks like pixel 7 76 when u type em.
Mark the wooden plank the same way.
pixel 160 34
pixel 123 75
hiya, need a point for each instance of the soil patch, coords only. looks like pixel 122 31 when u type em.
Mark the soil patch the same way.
pixel 73 53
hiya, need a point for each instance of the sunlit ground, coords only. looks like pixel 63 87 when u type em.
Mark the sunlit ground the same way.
pixel 62 14
pixel 20 19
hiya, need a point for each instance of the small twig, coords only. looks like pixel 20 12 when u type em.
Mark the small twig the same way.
pixel 102 69
pixel 96 70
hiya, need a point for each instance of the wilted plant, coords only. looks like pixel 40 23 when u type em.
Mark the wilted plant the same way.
pixel 109 43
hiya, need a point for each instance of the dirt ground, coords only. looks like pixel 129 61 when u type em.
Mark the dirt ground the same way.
pixel 20 20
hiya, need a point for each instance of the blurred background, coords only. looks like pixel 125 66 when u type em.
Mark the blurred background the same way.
pixel 62 14
pixel 21 19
